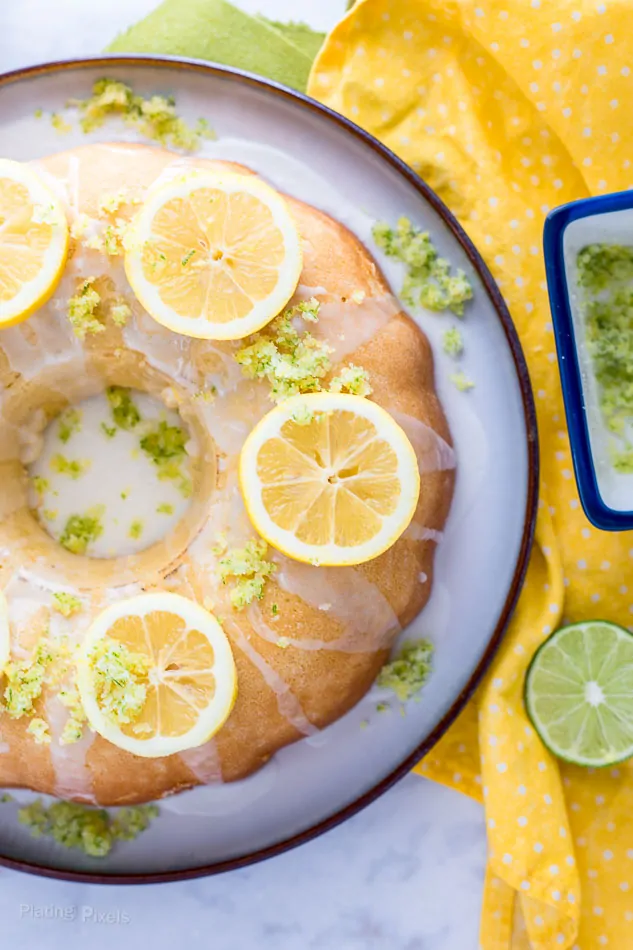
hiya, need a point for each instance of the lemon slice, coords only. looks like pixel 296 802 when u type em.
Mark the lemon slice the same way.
pixel 214 256
pixel 33 242
pixel 5 634
pixel 329 479
pixel 189 683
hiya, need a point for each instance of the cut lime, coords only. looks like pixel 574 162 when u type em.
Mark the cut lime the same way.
pixel 579 693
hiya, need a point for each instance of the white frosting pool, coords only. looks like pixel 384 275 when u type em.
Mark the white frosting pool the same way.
pixel 136 507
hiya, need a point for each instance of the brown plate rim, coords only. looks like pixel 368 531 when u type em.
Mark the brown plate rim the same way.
pixel 477 262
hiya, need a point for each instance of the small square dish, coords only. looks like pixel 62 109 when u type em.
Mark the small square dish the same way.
pixel 588 247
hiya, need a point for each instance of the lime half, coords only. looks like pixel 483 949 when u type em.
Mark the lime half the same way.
pixel 579 693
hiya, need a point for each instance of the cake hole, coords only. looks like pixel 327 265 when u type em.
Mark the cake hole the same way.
pixel 112 475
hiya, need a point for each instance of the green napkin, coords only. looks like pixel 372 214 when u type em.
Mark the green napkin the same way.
pixel 218 31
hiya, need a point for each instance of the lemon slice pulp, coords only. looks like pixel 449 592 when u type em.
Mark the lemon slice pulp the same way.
pixel 214 256
pixel 189 678
pixel 33 242
pixel 329 479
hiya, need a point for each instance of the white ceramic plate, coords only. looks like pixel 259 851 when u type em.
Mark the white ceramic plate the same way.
pixel 318 156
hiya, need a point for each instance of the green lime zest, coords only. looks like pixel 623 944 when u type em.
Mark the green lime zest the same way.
pixel 82 530
pixel 428 282
pixel 124 410
pixel 248 570
pixel 91 830
pixel 154 117
pixel 84 309
pixel 69 423
pixel 67 604
pixel 408 672
pixel 74 468
pixel 120 678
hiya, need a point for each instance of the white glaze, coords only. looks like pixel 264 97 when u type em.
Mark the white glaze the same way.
pixel 120 477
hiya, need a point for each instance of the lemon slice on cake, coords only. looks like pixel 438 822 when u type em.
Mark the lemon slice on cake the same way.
pixel 214 256
pixel 33 242
pixel 329 479
pixel 5 634
pixel 156 674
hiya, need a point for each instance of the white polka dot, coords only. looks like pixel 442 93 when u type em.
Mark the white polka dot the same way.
pixel 595 598
pixel 407 35
pixel 553 869
pixel 556 895
pixel 492 740
pixel 614 103
pixel 624 886
pixel 598 911
pixel 602 70
pixel 567 112
pixel 562 831
pixel 581 565
pixel 502 767
pixel 507 859
pixel 525 885
pixel 587 161
pixel 547 799
pixel 379 82
pixel 576 15
pixel 560 938
pixel 536 63
pixel 538 920
pixel 625 71
pixel 521 790
pixel 542 766
pixel 492 823
pixel 569 861
pixel 538 847
pixel 533 87
pixel 522 821
pixel 607 855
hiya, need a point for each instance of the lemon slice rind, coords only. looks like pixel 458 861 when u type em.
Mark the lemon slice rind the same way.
pixel 329 554
pixel 264 310
pixel 211 718
pixel 34 293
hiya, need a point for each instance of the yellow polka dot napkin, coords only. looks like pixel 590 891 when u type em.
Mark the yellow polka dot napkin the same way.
pixel 508 108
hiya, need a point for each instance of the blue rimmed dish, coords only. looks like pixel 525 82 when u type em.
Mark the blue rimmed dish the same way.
pixel 606 495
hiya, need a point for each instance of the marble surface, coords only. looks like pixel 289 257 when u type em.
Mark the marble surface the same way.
pixel 391 878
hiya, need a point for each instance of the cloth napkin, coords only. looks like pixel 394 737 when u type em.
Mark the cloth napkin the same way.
pixel 507 108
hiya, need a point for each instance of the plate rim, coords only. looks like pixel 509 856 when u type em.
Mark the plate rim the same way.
pixel 243 77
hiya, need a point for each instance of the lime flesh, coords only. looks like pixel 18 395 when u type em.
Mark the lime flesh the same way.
pixel 579 693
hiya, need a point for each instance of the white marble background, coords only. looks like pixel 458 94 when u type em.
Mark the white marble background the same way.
pixel 405 874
